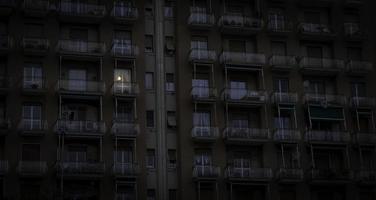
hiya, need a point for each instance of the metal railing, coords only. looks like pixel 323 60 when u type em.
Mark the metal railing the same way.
pixel 124 48
pixel 245 95
pixel 81 9
pixel 279 25
pixel 125 129
pixel 246 134
pixel 283 61
pixel 311 28
pixel 4 167
pixel 36 5
pixel 124 12
pixel 363 101
pixel 80 168
pixel 80 127
pixel 32 167
pixel 125 88
pixel 204 132
pixel 327 136
pixel 242 58
pixel 291 174
pixel 36 44
pixel 365 175
pixel 283 97
pixel 365 137
pixel 201 19
pixel 330 174
pixel 204 93
pixel 125 169
pixel 206 171
pixel 81 47
pixel 33 125
pixel 249 173
pixel 359 66
pixel 322 63
pixel 81 86
pixel 286 135
pixel 237 20
pixel 33 83
pixel 202 55
pixel 324 99
pixel 352 29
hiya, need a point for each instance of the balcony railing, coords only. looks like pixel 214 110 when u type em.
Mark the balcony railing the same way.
pixel 204 93
pixel 124 48
pixel 315 29
pixel 80 128
pixel 242 58
pixel 80 86
pixel 366 175
pixel 330 174
pixel 81 168
pixel 36 5
pixel 32 168
pixel 359 102
pixel 125 129
pixel 33 83
pixel 4 167
pixel 327 136
pixel 124 12
pixel 125 169
pixel 242 95
pixel 81 47
pixel 121 88
pixel 249 173
pixel 322 64
pixel 202 56
pixel 353 30
pixel 206 171
pixel 365 137
pixel 359 66
pixel 7 3
pixel 33 126
pixel 5 42
pixel 81 9
pixel 201 19
pixel 246 134
pixel 35 44
pixel 285 98
pixel 205 133
pixel 279 26
pixel 290 174
pixel 282 62
pixel 239 21
pixel 324 99
pixel 287 135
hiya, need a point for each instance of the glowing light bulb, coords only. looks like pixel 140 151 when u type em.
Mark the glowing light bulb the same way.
pixel 119 78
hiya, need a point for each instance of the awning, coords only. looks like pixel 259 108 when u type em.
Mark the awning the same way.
pixel 321 113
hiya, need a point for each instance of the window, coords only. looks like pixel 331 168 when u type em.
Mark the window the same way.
pixel 171 119
pixel 150 118
pixel 150 158
pixel 169 9
pixel 32 116
pixel 169 45
pixel 32 76
pixel 172 194
pixel 31 152
pixel 172 158
pixel 149 81
pixel 281 85
pixel 170 83
pixel 149 44
pixel 151 194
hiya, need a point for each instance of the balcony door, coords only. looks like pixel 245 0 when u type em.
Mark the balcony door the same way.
pixel 122 80
pixel 238 90
pixel 124 111
pixel 239 120
pixel 276 20
pixel 76 154
pixel 77 79
pixel 32 76
pixel 32 117
pixel 123 42
pixel 124 155
pixel 203 161
pixel 202 122
pixel 200 88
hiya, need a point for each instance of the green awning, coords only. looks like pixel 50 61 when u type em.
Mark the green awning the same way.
pixel 318 112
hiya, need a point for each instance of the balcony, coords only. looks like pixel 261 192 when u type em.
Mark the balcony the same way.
pixel 35 45
pixel 310 29
pixel 204 94
pixel 246 135
pixel 32 168
pixel 4 167
pixel 5 42
pixel 33 127
pixel 249 174
pixel 124 49
pixel 365 138
pixel 81 87
pixel 80 128
pixel 125 89
pixel 33 85
pixel 124 13
pixel 202 56
pixel 71 8
pixel 6 6
pixel 363 102
pixel 352 30
pixel 245 96
pixel 242 59
pixel 284 98
pixel 239 23
pixel 286 135
pixel 324 99
pixel 359 67
pixel 320 65
pixel 279 26
pixel 206 172
pixel 36 7
pixel 128 170
pixel 80 47
pixel 290 175
pixel 330 174
pixel 282 63
pixel 205 133
pixel 366 175
pixel 125 129
pixel 200 20
pixel 330 137
pixel 84 168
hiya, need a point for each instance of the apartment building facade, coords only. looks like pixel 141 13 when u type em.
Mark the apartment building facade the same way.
pixel 195 99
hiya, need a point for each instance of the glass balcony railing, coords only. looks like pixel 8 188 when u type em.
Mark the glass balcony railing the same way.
pixel 242 58
pixel 324 99
pixel 125 169
pixel 243 95
pixel 125 129
pixel 327 136
pixel 206 171
pixel 286 135
pixel 282 62
pixel 359 66
pixel 81 47
pixel 285 98
pixel 238 20
pixel 125 88
pixel 352 29
pixel 80 168
pixel 290 174
pixel 123 48
pixel 35 44
pixel 279 26
pixel 330 174
pixel 124 12
pixel 200 19
pixel 315 29
pixel 33 83
pixel 204 93
pixel 202 56
pixel 205 133
pixel 249 173
pixel 80 86
pixel 366 175
pixel 71 8
pixel 33 126
pixel 365 102
pixel 74 127
pixel 246 134
pixel 323 64
pixel 365 137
